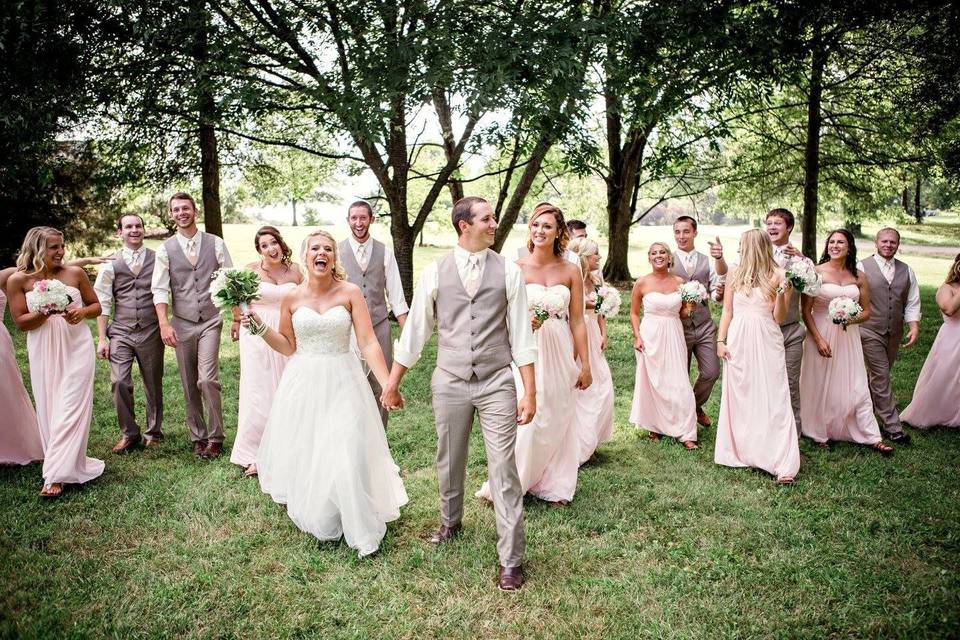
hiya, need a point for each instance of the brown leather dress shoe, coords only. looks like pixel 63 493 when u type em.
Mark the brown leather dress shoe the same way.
pixel 126 444
pixel 703 419
pixel 153 442
pixel 511 579
pixel 445 532
pixel 213 450
pixel 199 447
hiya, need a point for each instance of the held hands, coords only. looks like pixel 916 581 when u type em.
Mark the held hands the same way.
pixel 722 352
pixel 526 409
pixel 391 400
pixel 103 349
pixel 716 249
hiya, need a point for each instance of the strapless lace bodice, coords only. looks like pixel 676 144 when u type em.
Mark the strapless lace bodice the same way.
pixel 320 334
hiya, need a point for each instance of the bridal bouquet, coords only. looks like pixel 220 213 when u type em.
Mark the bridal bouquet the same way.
pixel 608 301
pixel 234 288
pixel 693 291
pixel 48 297
pixel 803 276
pixel 547 304
pixel 842 310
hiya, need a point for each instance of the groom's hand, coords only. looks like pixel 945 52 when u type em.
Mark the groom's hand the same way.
pixel 526 409
pixel 391 398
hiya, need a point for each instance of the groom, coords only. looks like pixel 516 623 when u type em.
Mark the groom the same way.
pixel 478 302
pixel 183 268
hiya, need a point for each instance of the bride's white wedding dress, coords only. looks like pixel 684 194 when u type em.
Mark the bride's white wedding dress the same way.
pixel 324 453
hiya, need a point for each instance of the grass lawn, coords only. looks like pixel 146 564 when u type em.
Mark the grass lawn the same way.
pixel 659 543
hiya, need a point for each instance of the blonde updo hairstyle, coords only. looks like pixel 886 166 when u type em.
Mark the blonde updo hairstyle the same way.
pixel 563 237
pixel 338 271
pixel 34 249
pixel 663 246
pixel 585 248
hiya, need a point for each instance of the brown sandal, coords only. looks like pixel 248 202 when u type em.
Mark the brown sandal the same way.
pixel 785 481
pixel 654 437
pixel 251 470
pixel 689 445
pixel 882 449
pixel 52 490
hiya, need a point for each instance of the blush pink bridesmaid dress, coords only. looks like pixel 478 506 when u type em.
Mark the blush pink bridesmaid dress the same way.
pixel 20 436
pixel 593 406
pixel 936 398
pixel 547 449
pixel 663 401
pixel 756 427
pixel 835 400
pixel 260 370
pixel 61 371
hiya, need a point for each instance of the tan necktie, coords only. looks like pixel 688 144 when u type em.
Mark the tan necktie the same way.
pixel 192 252
pixel 472 283
pixel 887 271
pixel 135 265
pixel 362 256
pixel 690 262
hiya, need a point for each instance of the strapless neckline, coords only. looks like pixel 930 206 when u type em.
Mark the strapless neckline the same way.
pixel 318 313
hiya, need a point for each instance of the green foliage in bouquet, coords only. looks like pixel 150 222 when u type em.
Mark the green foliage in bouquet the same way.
pixel 234 288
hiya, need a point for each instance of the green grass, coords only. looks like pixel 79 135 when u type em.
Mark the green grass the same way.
pixel 659 542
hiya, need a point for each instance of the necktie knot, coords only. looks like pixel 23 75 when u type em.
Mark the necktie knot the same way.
pixel 472 282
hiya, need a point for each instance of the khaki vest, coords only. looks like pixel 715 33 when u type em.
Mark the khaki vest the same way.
pixel 887 299
pixel 373 281
pixel 701 273
pixel 472 333
pixel 190 285
pixel 132 297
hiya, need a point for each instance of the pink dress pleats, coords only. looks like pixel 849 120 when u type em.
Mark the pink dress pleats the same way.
pixel 835 399
pixel 756 427
pixel 936 398
pixel 663 400
pixel 593 406
pixel 20 436
pixel 260 370
pixel 62 366
pixel 547 449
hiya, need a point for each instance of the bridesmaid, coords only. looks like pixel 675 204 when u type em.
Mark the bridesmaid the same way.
pixel 20 439
pixel 834 397
pixel 940 376
pixel 663 400
pixel 261 366
pixel 547 449
pixel 593 406
pixel 756 426
pixel 61 353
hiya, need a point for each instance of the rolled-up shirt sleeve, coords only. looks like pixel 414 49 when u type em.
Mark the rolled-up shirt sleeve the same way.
pixel 523 346
pixel 421 319
pixel 398 302
pixel 223 254
pixel 160 285
pixel 911 312
pixel 103 287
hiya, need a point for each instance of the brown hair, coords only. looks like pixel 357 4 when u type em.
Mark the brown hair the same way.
pixel 954 274
pixel 33 249
pixel 361 204
pixel 182 195
pixel 563 237
pixel 692 221
pixel 784 214
pixel 463 210
pixel 267 230
pixel 127 215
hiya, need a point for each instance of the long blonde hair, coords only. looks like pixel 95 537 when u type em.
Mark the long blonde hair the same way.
pixel 585 248
pixel 756 264
pixel 34 248
pixel 338 271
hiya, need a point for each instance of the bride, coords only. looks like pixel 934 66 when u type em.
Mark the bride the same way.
pixel 324 453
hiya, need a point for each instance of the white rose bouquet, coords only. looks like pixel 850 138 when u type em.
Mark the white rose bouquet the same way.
pixel 608 301
pixel 693 291
pixel 546 305
pixel 48 297
pixel 234 288
pixel 843 310
pixel 802 275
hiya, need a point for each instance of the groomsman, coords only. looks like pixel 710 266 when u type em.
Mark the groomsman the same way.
pixel 779 225
pixel 699 329
pixel 371 265
pixel 184 266
pixel 123 287
pixel 478 302
pixel 894 301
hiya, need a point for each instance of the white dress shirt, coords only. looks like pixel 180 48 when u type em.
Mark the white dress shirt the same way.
pixel 423 317
pixel 161 268
pixel 715 279
pixel 911 313
pixel 104 283
pixel 395 297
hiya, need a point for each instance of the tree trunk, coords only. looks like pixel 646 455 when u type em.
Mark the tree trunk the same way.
pixel 917 210
pixel 207 112
pixel 811 169
pixel 293 205
pixel 905 201
pixel 530 171
pixel 404 241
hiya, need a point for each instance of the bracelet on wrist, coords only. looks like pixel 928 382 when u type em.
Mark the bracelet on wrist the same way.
pixel 721 341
